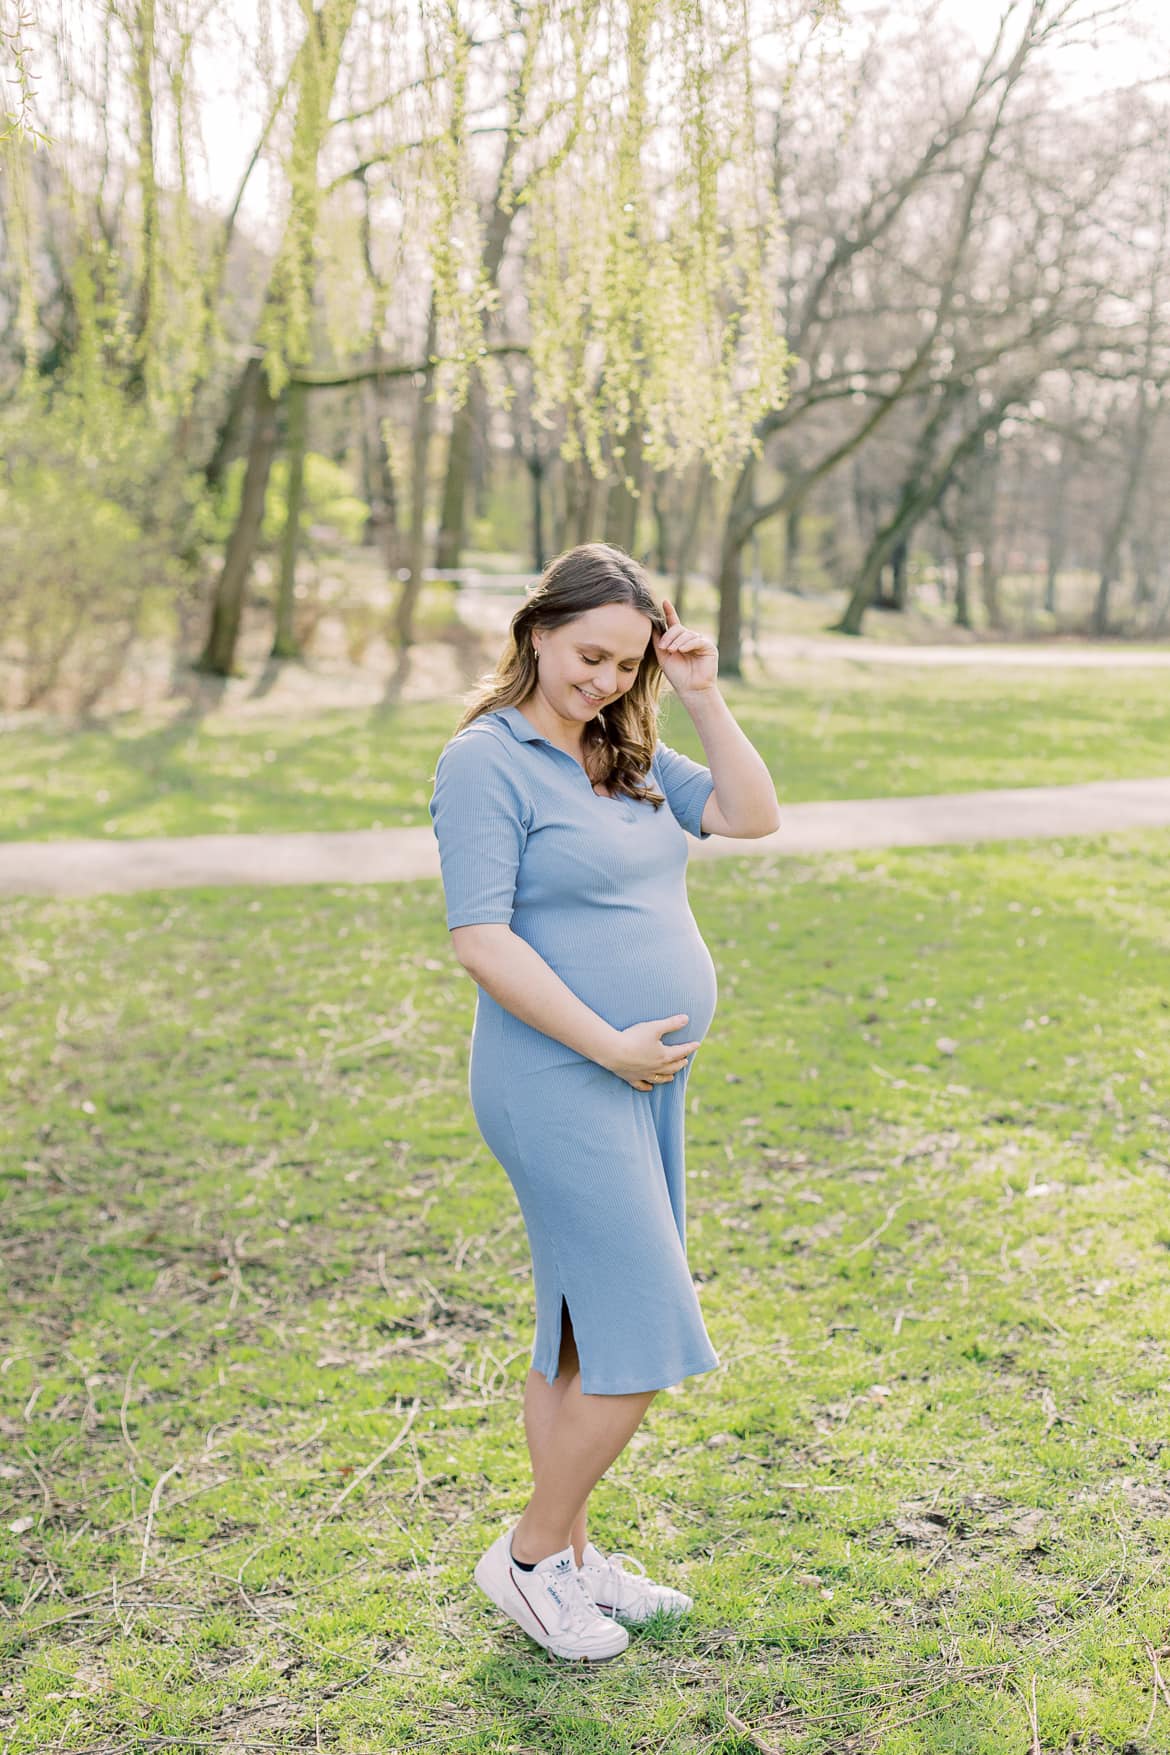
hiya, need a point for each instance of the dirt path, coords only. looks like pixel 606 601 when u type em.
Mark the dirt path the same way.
pixel 1042 655
pixel 377 856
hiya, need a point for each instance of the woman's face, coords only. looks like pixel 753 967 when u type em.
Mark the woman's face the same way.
pixel 590 661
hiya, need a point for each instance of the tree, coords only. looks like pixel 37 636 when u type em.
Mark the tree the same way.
pixel 283 329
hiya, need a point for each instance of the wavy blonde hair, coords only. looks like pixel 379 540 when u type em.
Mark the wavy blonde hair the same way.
pixel 621 737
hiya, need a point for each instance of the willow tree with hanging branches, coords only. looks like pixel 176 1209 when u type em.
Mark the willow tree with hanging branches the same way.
pixel 631 177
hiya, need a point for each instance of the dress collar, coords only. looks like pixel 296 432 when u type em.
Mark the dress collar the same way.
pixel 521 727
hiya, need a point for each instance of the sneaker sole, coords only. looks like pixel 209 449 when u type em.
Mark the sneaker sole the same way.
pixel 507 1598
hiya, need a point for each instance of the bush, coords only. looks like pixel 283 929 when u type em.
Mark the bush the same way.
pixel 95 523
pixel 327 498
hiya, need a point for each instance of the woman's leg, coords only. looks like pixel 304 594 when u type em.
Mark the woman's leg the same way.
pixel 572 1440
pixel 542 1403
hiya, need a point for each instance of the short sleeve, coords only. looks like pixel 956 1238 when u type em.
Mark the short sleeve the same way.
pixel 481 816
pixel 687 785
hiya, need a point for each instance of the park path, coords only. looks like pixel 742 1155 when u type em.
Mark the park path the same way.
pixel 1047 655
pixel 379 856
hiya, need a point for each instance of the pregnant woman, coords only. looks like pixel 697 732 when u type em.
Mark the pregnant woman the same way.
pixel 560 816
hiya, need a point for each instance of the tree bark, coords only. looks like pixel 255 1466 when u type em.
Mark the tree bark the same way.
pixel 1141 548
pixel 591 506
pixel 240 400
pixel 622 507
pixel 284 644
pixel 898 568
pixel 659 491
pixel 1057 538
pixel 574 487
pixel 1135 460
pixel 686 547
pixel 219 652
pixel 962 581
pixel 535 464
pixel 730 635
pixel 143 56
pixel 987 501
pixel 424 421
pixel 381 529
pixel 793 530
pixel 451 525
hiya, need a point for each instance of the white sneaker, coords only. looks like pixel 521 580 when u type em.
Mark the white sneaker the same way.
pixel 628 1596
pixel 549 1603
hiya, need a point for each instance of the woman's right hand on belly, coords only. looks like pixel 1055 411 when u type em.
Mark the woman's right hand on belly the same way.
pixel 641 1057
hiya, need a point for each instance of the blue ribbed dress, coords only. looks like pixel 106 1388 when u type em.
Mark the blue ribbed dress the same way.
pixel 598 887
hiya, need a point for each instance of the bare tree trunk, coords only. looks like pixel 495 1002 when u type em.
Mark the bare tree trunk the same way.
pixel 424 421
pixel 381 530
pixel 591 506
pixel 1135 460
pixel 898 561
pixel 241 398
pixel 793 530
pixel 730 635
pixel 573 480
pixel 284 644
pixel 451 519
pixel 1141 549
pixel 962 581
pixel 659 490
pixel 622 507
pixel 143 54
pixel 986 503
pixel 1057 536
pixel 219 652
pixel 535 464
pixel 686 547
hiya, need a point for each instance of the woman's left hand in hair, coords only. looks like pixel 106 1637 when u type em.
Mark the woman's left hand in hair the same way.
pixel 689 659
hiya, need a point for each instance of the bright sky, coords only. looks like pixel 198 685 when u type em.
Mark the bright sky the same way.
pixel 1127 50
pixel 1132 49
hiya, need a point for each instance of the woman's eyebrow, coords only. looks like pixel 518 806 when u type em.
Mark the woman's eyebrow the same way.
pixel 589 646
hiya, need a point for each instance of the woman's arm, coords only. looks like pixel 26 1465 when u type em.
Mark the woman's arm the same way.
pixel 743 803
pixel 519 979
pixel 507 967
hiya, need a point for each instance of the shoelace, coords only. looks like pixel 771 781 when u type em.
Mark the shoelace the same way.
pixel 572 1596
pixel 618 1578
pixel 616 1560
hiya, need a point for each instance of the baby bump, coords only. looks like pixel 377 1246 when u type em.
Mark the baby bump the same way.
pixel 651 976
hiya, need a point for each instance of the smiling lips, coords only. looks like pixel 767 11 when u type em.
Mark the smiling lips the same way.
pixel 594 699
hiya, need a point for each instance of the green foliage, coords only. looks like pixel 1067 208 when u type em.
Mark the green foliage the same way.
pixel 327 498
pixel 652 284
pixel 94 515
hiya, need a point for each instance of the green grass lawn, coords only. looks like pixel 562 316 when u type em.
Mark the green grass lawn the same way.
pixel 270 1312
pixel 844 730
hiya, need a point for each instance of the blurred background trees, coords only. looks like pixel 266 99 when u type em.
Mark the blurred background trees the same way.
pixel 307 305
